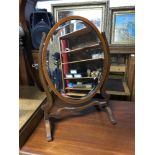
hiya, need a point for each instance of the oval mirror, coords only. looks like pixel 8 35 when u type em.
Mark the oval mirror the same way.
pixel 75 59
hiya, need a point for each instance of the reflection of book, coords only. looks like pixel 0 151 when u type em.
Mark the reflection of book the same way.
pixel 77 75
pixel 88 86
pixel 63 31
pixel 64 45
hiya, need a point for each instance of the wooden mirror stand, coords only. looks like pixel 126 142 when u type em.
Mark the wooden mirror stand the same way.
pixel 76 106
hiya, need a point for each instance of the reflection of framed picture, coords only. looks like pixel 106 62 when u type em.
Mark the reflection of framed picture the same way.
pixel 96 12
pixel 123 26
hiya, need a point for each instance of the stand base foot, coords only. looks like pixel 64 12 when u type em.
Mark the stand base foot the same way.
pixel 48 130
pixel 110 115
pixel 50 123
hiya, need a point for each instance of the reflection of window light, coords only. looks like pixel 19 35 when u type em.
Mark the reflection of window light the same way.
pixel 90 14
pixel 95 16
pixel 79 26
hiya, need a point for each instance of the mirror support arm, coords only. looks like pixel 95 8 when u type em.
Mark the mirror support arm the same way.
pixel 102 90
pixel 50 100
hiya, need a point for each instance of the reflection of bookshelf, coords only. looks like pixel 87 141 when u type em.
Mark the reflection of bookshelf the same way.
pixel 75 34
pixel 76 94
pixel 71 62
pixel 84 48
pixel 117 79
pixel 117 83
pixel 81 43
pixel 80 78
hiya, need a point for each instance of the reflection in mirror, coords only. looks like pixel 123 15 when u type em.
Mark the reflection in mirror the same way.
pixel 95 14
pixel 75 59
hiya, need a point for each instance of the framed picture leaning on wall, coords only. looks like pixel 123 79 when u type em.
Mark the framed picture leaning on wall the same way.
pixel 96 12
pixel 122 26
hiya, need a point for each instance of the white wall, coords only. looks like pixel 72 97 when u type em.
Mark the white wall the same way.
pixel 113 3
pixel 116 3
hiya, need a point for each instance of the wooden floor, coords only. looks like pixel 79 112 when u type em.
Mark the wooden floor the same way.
pixel 91 134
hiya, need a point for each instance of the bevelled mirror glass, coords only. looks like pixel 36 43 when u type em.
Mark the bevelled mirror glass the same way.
pixel 75 59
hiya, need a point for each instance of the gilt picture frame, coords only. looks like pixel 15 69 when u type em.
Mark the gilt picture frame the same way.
pixel 123 26
pixel 96 12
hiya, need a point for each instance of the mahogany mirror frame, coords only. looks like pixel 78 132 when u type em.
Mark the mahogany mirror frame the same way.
pixel 106 66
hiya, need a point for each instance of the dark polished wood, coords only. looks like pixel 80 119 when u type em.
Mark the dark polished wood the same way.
pixel 23 72
pixel 131 76
pixel 28 128
pixel 35 57
pixel 28 45
pixel 102 88
pixel 30 112
pixel 119 49
pixel 84 102
pixel 89 134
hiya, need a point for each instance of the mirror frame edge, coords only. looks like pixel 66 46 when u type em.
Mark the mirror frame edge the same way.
pixel 103 79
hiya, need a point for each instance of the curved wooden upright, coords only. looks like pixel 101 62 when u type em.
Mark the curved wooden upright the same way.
pixel 27 44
